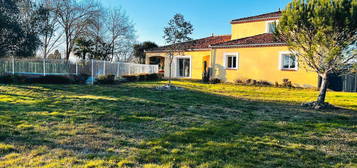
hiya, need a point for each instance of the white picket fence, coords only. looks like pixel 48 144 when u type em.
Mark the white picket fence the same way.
pixel 94 68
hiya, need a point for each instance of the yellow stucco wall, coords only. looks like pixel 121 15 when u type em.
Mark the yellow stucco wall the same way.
pixel 197 58
pixel 243 30
pixel 260 63
pixel 257 63
pixel 197 62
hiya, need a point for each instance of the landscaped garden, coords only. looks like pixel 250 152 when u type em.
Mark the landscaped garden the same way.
pixel 135 125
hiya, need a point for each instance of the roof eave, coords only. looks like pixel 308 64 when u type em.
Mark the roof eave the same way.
pixel 187 50
pixel 254 20
pixel 249 45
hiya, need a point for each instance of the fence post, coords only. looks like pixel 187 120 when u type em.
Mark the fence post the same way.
pixel 92 72
pixel 76 68
pixel 129 69
pixel 104 67
pixel 118 70
pixel 6 62
pixel 13 65
pixel 44 67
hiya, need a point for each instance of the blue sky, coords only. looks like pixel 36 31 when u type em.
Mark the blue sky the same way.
pixel 207 16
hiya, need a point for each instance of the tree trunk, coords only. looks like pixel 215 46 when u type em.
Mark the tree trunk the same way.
pixel 67 49
pixel 112 49
pixel 45 52
pixel 323 89
pixel 68 53
pixel 68 41
pixel 45 47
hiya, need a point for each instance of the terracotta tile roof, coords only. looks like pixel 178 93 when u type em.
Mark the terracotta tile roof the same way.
pixel 199 44
pixel 266 39
pixel 263 17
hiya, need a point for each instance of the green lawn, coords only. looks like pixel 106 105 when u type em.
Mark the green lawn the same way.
pixel 134 125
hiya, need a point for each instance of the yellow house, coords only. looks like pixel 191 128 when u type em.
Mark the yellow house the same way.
pixel 251 52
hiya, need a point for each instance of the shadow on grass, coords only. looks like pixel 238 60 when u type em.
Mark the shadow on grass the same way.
pixel 184 128
pixel 261 120
pixel 232 144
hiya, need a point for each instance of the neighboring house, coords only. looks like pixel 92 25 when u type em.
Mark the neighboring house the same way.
pixel 251 52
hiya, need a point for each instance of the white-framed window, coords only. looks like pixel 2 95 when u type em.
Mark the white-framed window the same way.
pixel 271 26
pixel 288 61
pixel 183 66
pixel 231 60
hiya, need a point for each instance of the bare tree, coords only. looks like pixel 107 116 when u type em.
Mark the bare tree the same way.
pixel 124 50
pixel 49 36
pixel 176 33
pixel 73 17
pixel 96 30
pixel 121 33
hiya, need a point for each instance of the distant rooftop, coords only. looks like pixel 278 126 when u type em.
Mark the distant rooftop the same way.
pixel 267 16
